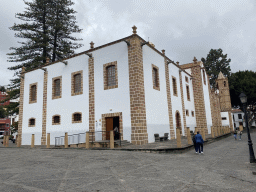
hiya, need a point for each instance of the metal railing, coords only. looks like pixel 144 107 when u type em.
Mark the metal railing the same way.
pixel 78 138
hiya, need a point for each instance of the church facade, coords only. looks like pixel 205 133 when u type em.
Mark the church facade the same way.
pixel 127 84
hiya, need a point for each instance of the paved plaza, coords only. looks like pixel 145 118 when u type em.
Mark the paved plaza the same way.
pixel 223 167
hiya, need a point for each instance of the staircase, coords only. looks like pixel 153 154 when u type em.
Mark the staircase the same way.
pixel 124 143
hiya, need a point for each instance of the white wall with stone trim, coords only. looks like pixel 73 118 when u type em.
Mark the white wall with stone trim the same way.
pixel 33 110
pixel 117 99
pixel 156 101
pixel 225 115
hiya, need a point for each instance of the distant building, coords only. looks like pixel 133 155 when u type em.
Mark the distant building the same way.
pixel 239 119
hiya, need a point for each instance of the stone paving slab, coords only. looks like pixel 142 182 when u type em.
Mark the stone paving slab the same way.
pixel 223 167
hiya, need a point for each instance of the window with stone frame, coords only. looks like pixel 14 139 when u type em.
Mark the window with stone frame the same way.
pixel 110 75
pixel 186 79
pixel 192 113
pixel 56 120
pixel 187 112
pixel 77 83
pixel 204 77
pixel 32 122
pixel 56 87
pixel 174 86
pixel 77 117
pixel 155 77
pixel 188 94
pixel 33 93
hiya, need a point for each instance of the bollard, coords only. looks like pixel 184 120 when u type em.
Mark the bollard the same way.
pixel 48 140
pixel 7 141
pixel 4 141
pixel 112 146
pixel 33 141
pixel 212 131
pixel 241 128
pixel 87 143
pixel 178 138
pixel 189 136
pixel 66 140
pixel 18 141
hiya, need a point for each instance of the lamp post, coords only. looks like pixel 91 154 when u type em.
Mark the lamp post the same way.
pixel 243 99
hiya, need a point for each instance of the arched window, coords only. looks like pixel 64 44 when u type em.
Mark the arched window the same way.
pixel 111 76
pixel 32 122
pixel 77 117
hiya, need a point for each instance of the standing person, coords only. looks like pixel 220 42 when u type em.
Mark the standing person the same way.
pixel 199 143
pixel 194 142
pixel 116 133
pixel 235 133
pixel 240 134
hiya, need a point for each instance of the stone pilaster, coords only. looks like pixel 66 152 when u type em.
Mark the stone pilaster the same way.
pixel 22 81
pixel 183 105
pixel 169 100
pixel 139 134
pixel 44 117
pixel 91 96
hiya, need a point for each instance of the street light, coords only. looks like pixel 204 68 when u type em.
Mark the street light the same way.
pixel 243 99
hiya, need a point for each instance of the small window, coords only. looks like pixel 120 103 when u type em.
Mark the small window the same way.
pixel 57 87
pixel 239 116
pixel 204 77
pixel 187 113
pixel 56 120
pixel 110 75
pixel 77 117
pixel 174 86
pixel 225 84
pixel 33 93
pixel 224 118
pixel 32 122
pixel 188 94
pixel 155 77
pixel 192 113
pixel 77 83
pixel 7 124
pixel 186 79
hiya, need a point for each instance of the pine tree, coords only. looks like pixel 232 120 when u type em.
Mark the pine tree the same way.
pixel 214 63
pixel 46 32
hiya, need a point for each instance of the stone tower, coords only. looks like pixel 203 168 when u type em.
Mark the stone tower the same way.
pixel 225 102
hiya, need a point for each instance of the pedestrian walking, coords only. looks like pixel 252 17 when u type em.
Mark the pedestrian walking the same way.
pixel 194 141
pixel 235 134
pixel 199 143
pixel 240 134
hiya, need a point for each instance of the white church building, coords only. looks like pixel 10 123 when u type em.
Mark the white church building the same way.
pixel 127 83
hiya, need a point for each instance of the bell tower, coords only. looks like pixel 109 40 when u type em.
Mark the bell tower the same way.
pixel 223 87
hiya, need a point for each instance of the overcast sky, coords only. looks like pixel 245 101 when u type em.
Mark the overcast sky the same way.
pixel 184 28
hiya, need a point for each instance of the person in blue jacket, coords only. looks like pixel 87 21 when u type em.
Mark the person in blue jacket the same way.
pixel 199 143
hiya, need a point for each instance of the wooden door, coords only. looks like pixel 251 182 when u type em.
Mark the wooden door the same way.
pixel 109 127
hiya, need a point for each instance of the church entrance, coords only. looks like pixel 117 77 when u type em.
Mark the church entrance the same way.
pixel 111 124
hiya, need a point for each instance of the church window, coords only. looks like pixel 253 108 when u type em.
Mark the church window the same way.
pixel 204 77
pixel 192 113
pixel 77 117
pixel 187 113
pixel 224 118
pixel 77 83
pixel 225 84
pixel 32 122
pixel 110 75
pixel 174 86
pixel 56 87
pixel 186 79
pixel 188 94
pixel 33 93
pixel 155 77
pixel 56 120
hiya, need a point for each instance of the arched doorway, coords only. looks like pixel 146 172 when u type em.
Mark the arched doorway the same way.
pixel 178 121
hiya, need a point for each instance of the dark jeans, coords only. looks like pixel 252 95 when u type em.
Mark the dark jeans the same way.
pixel 200 147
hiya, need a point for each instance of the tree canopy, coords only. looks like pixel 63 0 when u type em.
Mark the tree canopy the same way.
pixel 46 32
pixel 3 113
pixel 216 62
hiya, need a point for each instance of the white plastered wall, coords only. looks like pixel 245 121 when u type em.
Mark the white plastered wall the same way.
pixel 32 110
pixel 117 99
pixel 156 101
pixel 226 121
